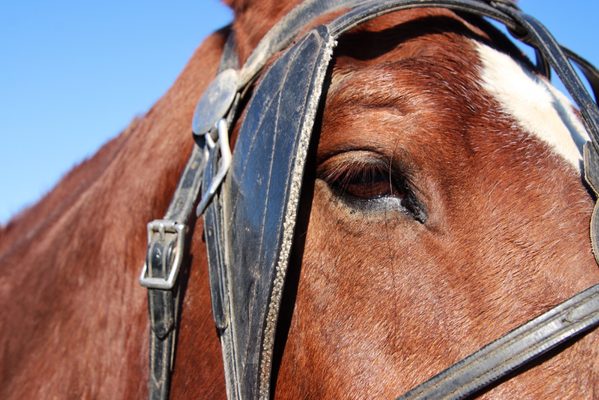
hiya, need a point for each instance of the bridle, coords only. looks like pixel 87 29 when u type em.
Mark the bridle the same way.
pixel 257 192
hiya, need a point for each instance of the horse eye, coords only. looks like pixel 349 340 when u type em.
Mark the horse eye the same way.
pixel 361 179
pixel 367 184
pixel 370 184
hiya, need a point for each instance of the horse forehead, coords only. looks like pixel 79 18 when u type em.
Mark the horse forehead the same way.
pixel 530 101
pixel 402 99
pixel 536 106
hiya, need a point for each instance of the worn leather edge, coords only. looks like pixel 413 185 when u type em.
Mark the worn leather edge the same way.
pixel 291 214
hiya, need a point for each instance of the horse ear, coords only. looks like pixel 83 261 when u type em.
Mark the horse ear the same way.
pixel 253 19
pixel 231 3
pixel 238 6
pixel 265 8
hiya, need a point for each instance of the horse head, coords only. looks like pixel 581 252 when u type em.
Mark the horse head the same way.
pixel 447 208
pixel 433 201
pixel 442 204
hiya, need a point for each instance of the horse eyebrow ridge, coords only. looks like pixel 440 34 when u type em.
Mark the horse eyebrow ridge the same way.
pixel 374 90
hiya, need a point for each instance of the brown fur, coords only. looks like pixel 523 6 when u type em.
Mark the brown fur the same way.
pixel 74 317
pixel 383 302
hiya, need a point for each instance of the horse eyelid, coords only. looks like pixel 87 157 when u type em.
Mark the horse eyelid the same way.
pixel 339 170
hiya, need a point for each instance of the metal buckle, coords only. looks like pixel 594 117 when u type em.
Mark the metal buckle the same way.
pixel 164 227
pixel 222 144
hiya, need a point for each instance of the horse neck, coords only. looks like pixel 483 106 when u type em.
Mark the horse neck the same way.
pixel 70 263
pixel 81 247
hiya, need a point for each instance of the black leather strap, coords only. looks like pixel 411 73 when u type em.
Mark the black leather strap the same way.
pixel 588 69
pixel 161 306
pixel 214 225
pixel 259 200
pixel 241 333
pixel 562 323
pixel 281 35
pixel 164 304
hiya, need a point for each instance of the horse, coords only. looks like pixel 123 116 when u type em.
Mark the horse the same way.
pixel 442 206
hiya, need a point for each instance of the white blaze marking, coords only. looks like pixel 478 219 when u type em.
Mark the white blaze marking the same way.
pixel 534 103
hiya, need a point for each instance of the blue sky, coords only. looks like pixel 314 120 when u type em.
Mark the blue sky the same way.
pixel 74 73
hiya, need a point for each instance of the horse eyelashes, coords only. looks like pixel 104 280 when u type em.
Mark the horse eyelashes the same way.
pixel 370 184
pixel 366 182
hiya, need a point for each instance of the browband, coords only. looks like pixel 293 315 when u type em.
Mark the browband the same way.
pixel 250 199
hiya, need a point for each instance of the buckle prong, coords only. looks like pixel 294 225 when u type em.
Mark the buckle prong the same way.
pixel 224 163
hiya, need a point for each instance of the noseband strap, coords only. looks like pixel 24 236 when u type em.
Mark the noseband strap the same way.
pixel 516 349
pixel 250 200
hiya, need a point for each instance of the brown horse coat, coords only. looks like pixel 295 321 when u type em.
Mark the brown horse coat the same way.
pixel 383 302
